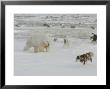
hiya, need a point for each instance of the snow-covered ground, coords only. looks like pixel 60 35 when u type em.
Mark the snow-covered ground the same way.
pixel 58 61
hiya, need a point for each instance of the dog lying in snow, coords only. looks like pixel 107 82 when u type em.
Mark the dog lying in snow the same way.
pixel 45 45
pixel 85 57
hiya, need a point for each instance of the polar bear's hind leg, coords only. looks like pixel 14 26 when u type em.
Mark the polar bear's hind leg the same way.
pixel 35 49
pixel 26 48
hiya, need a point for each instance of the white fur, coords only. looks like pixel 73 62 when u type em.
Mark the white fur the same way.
pixel 37 41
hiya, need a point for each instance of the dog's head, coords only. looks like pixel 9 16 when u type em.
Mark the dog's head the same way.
pixel 77 58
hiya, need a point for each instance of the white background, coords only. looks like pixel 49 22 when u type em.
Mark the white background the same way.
pixel 100 79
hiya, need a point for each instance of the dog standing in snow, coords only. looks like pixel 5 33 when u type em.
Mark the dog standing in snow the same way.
pixel 85 57
pixel 93 38
pixel 66 43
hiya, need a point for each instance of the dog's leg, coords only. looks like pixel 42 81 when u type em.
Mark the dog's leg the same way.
pixel 84 62
pixel 76 60
pixel 91 59
pixel 46 49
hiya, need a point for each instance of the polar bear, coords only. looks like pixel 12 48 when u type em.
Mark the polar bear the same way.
pixel 39 42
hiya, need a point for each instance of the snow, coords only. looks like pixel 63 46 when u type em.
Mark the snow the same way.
pixel 58 61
